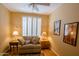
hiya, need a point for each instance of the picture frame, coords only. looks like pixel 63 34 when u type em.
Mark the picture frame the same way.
pixel 57 25
pixel 70 33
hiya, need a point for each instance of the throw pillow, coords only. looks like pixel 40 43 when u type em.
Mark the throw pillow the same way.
pixel 21 40
pixel 20 43
pixel 28 39
pixel 35 40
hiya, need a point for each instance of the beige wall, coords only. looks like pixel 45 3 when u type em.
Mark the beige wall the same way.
pixel 9 21
pixel 67 13
pixel 16 20
pixel 4 27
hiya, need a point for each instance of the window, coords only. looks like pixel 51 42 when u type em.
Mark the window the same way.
pixel 31 26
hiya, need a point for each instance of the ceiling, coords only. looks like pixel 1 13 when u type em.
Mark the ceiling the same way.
pixel 23 7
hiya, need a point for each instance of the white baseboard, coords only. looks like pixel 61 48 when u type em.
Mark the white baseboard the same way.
pixel 54 52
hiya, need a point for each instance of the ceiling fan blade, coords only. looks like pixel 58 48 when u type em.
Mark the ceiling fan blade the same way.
pixel 45 4
pixel 37 8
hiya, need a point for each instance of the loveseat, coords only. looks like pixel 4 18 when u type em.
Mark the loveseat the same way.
pixel 30 45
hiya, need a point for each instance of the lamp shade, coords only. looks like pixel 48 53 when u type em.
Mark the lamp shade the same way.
pixel 44 34
pixel 15 33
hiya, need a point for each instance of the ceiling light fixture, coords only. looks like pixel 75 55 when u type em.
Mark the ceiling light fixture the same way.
pixel 34 7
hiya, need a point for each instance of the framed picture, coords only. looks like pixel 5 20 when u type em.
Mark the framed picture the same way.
pixel 57 25
pixel 70 33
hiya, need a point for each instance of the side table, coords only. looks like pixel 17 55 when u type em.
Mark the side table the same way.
pixel 45 44
pixel 13 48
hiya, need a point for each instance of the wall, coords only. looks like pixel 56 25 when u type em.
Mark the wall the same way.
pixel 16 20
pixel 67 13
pixel 4 28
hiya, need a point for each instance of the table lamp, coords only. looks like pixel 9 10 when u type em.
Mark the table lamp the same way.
pixel 44 35
pixel 15 34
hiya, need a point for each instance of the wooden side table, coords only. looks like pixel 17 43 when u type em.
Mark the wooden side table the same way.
pixel 13 48
pixel 45 44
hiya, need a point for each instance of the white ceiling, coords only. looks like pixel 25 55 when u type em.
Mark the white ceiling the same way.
pixel 23 7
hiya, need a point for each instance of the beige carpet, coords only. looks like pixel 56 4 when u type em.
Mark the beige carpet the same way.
pixel 34 54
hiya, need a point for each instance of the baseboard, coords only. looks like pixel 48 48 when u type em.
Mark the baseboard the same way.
pixel 54 51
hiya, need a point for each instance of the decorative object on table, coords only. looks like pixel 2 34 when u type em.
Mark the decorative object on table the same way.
pixel 15 34
pixel 70 33
pixel 57 25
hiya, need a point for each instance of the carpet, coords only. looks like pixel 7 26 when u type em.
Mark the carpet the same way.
pixel 34 54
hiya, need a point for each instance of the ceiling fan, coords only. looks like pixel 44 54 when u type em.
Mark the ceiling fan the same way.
pixel 34 5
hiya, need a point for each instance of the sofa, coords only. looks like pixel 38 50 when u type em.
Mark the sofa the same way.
pixel 29 45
